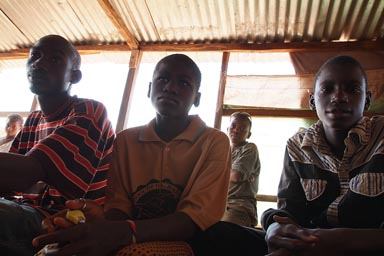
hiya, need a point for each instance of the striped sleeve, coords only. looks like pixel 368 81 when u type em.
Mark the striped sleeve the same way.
pixel 75 156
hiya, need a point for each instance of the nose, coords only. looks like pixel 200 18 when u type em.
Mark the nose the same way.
pixel 237 130
pixel 38 62
pixel 171 87
pixel 339 95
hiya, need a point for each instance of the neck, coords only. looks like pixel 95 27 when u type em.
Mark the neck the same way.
pixel 50 103
pixel 335 139
pixel 168 128
pixel 10 137
pixel 236 146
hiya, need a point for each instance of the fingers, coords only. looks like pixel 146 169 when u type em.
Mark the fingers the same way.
pixel 61 237
pixel 76 248
pixel 77 204
pixel 290 243
pixel 283 220
pixel 90 208
pixel 49 225
pixel 294 230
pixel 57 221
pixel 280 252
pixel 289 236
pixel 62 222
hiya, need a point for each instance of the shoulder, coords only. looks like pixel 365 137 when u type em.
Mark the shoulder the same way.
pixel 377 122
pixel 297 138
pixel 199 130
pixel 375 129
pixel 88 106
pixel 210 133
pixel 250 146
pixel 301 146
pixel 129 134
pixel 32 118
pixel 92 110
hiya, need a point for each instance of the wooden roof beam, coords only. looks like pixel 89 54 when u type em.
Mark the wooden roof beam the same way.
pixel 280 112
pixel 377 45
pixel 220 47
pixel 119 23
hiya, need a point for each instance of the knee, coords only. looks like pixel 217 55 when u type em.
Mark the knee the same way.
pixel 10 213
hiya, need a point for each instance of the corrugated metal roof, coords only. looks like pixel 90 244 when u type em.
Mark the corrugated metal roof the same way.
pixel 22 22
pixel 251 21
pixel 82 22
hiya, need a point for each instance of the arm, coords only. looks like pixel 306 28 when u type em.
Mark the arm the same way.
pixel 202 205
pixel 285 234
pixel 19 172
pixel 291 199
pixel 353 242
pixel 74 156
pixel 101 236
pixel 173 227
pixel 246 165
pixel 163 228
pixel 284 226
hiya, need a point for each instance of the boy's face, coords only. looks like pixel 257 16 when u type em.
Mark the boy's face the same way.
pixel 340 96
pixel 12 128
pixel 238 130
pixel 174 88
pixel 49 66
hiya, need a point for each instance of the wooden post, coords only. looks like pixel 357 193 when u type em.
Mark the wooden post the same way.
pixel 134 64
pixel 220 97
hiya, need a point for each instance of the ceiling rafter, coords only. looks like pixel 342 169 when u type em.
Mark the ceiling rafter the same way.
pixel 119 23
pixel 377 45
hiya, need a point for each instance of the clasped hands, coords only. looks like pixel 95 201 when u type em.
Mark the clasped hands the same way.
pixel 285 238
pixel 97 236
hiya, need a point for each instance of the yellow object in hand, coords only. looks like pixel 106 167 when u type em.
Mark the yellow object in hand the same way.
pixel 75 216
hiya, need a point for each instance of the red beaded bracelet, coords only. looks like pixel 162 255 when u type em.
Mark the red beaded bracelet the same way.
pixel 132 225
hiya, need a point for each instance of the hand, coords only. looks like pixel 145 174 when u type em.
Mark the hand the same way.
pixel 91 210
pixel 285 233
pixel 281 252
pixel 97 238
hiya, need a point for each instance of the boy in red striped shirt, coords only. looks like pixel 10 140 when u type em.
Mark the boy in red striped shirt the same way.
pixel 61 153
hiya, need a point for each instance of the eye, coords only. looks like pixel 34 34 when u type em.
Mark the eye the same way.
pixel 56 59
pixel 162 79
pixel 185 83
pixel 326 87
pixel 354 88
pixel 34 55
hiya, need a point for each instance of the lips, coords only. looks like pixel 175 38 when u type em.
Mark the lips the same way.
pixel 36 75
pixel 167 99
pixel 338 110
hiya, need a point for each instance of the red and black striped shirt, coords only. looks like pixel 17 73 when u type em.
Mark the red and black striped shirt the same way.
pixel 73 145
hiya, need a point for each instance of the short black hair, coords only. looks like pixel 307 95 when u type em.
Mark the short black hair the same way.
pixel 243 115
pixel 76 55
pixel 15 118
pixel 342 60
pixel 182 57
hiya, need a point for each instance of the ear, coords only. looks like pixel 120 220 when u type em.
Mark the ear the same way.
pixel 149 89
pixel 312 105
pixel 249 134
pixel 368 98
pixel 76 76
pixel 196 102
